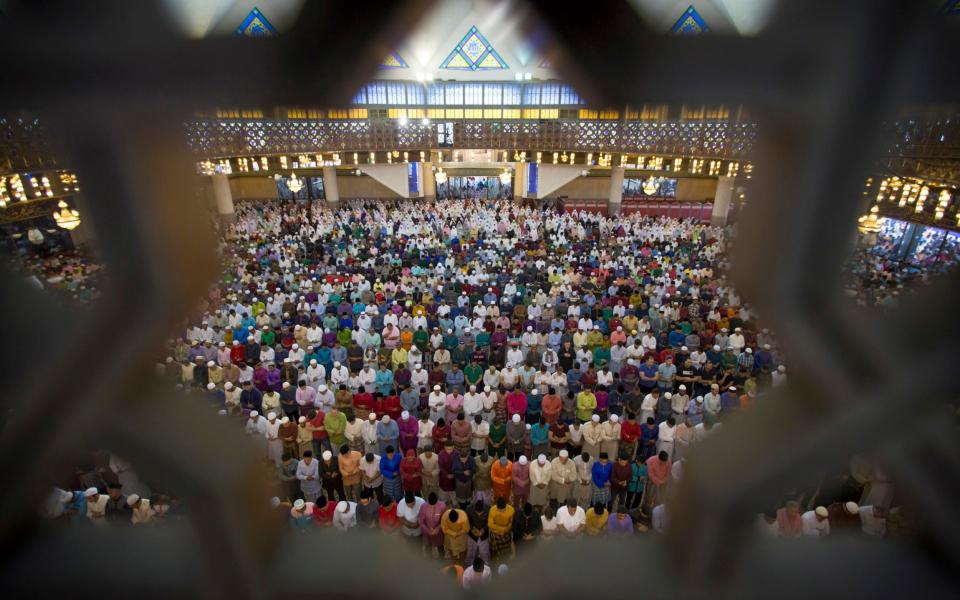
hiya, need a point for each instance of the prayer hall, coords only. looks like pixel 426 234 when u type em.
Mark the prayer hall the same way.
pixel 489 298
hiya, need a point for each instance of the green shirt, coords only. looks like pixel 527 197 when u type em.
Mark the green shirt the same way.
pixel 473 374
pixel 335 424
pixel 268 338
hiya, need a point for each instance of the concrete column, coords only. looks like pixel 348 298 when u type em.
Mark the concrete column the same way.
pixel 330 189
pixel 84 233
pixel 519 180
pixel 615 197
pixel 721 200
pixel 223 196
pixel 429 182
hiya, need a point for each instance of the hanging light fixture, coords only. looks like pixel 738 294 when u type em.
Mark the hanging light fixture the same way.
pixel 440 176
pixel 650 186
pixel 67 217
pixel 870 222
pixel 505 177
pixel 293 184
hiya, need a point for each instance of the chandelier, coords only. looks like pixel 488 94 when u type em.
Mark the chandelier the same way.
pixel 651 186
pixel 504 177
pixel 441 177
pixel 293 184
pixel 67 217
pixel 870 222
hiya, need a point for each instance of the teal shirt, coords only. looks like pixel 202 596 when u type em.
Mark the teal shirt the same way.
pixel 538 432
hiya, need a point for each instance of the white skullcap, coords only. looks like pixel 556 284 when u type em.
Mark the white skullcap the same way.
pixel 327 455
pixel 852 508
pixel 668 395
pixel 596 327
pixel 228 386
pixel 542 459
pixel 313 362
pixel 285 420
pixel 534 392
pixel 419 365
pixel 211 386
pixel 749 350
pixel 821 512
pixel 322 387
pixel 169 359
pixel 766 346
pixel 91 491
pixel 271 416
pixel 342 506
pixel 595 418
pixel 222 344
pixel 683 387
pixel 737 329
pixel 782 368
pixel 302 420
pixel 274 502
pixel 405 414
pixel 296 346
pixel 529 328
pixel 132 499
pixel 523 460
pixel 515 418
pixel 614 418
pixel 299 504
pixel 372 416
pixel 210 363
pixel 732 388
pixel 564 453
pixel 254 413
pixel 336 364
pixel 716 347
pixel 436 388
pixel 286 384
pixel 236 342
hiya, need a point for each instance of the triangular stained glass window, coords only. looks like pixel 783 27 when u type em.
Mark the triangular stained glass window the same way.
pixel 256 25
pixel 690 23
pixel 474 53
pixel 394 61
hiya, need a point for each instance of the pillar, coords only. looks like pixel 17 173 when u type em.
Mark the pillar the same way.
pixel 429 182
pixel 519 180
pixel 330 189
pixel 615 197
pixel 721 201
pixel 84 233
pixel 223 196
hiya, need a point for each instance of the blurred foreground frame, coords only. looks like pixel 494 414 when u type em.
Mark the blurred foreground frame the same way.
pixel 820 78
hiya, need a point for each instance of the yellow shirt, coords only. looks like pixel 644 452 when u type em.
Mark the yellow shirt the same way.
pixel 596 524
pixel 500 522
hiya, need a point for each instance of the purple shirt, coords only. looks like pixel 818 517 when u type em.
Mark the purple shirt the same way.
pixel 618 527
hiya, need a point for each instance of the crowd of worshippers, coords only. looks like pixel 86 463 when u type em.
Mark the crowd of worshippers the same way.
pixel 70 274
pixel 879 281
pixel 478 375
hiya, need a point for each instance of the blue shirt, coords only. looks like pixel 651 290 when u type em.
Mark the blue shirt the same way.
pixel 390 467
pixel 601 473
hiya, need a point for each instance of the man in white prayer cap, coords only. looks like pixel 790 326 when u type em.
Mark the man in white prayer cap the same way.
pixel 345 516
pixel 96 506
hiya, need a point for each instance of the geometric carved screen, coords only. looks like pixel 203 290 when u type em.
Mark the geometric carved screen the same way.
pixel 216 138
